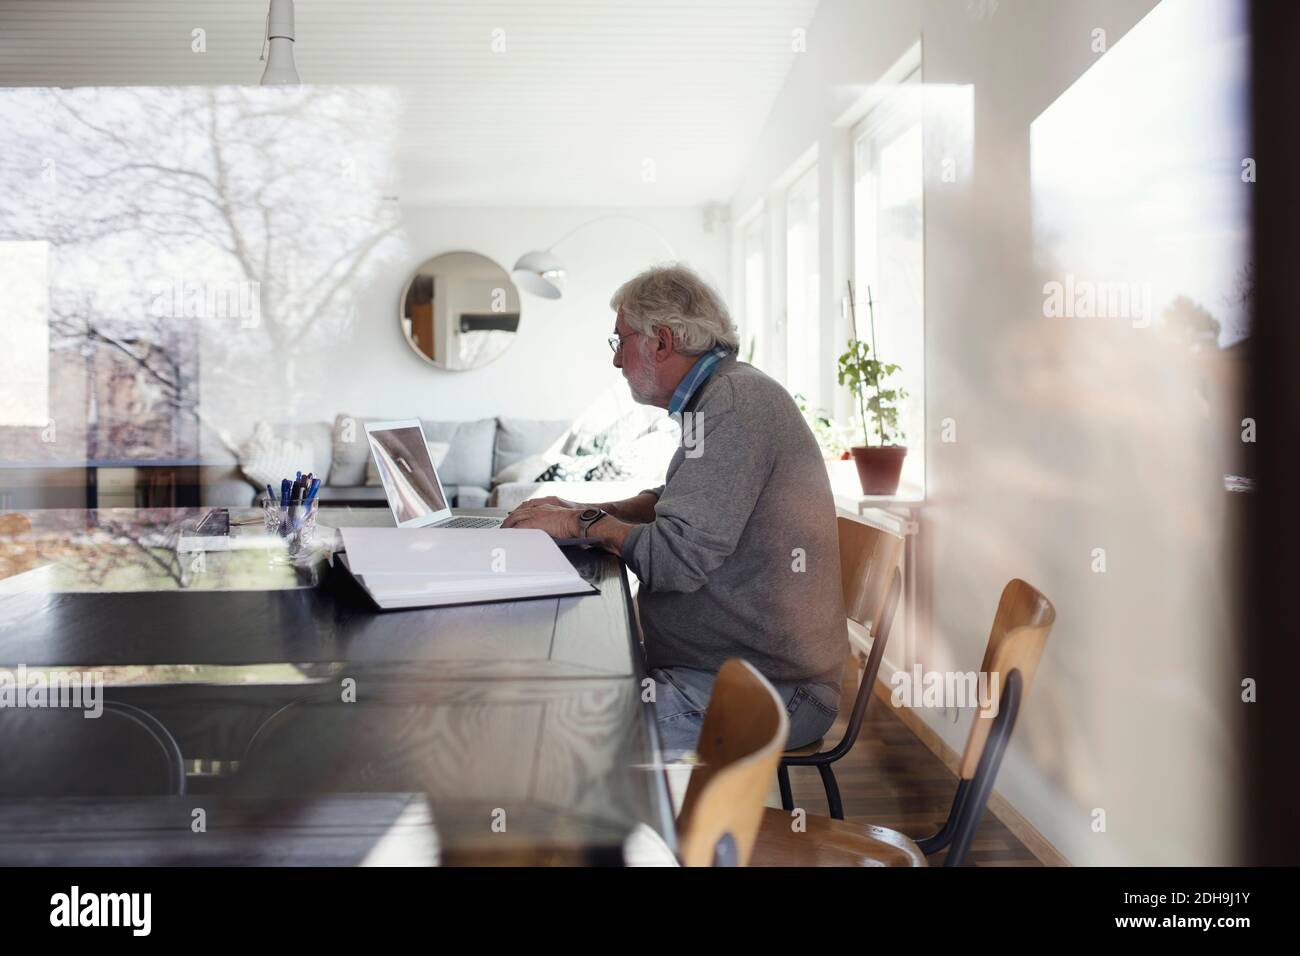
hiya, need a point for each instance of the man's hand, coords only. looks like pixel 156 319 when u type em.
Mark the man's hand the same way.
pixel 562 502
pixel 639 509
pixel 556 517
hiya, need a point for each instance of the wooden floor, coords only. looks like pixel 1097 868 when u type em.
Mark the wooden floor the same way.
pixel 890 778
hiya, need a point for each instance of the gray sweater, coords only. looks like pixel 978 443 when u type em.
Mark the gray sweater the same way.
pixel 742 559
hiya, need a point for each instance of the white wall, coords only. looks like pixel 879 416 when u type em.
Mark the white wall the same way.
pixel 560 360
pixel 1069 438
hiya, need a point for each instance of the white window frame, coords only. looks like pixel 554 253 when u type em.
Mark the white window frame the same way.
pixel 25 360
pixel 808 169
pixel 753 319
pixel 892 111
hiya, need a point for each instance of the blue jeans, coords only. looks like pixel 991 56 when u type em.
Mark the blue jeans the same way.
pixel 682 695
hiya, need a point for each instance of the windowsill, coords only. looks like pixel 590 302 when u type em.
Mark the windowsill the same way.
pixel 848 490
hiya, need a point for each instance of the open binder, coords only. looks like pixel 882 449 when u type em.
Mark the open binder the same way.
pixel 434 567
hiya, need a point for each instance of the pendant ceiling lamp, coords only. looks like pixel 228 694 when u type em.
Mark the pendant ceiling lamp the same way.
pixel 278 43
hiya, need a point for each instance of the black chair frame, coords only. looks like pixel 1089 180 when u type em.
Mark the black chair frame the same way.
pixel 823 759
pixel 972 796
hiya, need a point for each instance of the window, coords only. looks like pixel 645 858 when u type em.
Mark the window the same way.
pixel 752 320
pixel 803 288
pixel 25 360
pixel 888 244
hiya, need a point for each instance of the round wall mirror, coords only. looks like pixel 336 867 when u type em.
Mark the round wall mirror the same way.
pixel 460 311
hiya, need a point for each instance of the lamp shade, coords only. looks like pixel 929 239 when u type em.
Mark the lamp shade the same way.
pixel 280 69
pixel 540 273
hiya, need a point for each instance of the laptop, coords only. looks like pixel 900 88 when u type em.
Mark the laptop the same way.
pixel 410 481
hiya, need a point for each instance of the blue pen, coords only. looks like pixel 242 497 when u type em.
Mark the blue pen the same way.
pixel 285 485
pixel 315 487
pixel 270 495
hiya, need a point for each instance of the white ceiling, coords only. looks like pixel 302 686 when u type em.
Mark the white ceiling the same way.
pixel 585 93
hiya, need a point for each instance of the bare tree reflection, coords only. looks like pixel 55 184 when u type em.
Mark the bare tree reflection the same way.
pixel 214 232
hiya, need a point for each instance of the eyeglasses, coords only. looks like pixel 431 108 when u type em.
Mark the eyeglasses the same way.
pixel 616 341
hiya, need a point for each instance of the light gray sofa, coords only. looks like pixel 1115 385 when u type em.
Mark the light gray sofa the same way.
pixel 478 450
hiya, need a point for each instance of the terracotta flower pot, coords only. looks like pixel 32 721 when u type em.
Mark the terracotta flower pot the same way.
pixel 879 468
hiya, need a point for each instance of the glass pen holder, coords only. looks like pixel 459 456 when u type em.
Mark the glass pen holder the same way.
pixel 296 524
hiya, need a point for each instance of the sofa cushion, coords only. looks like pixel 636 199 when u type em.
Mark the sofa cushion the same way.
pixel 470 496
pixel 648 455
pixel 571 468
pixel 276 451
pixel 611 420
pixel 469 461
pixel 525 469
pixel 519 438
pixel 225 487
pixel 350 450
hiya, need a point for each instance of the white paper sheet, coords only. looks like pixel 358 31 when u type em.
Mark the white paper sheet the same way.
pixel 412 567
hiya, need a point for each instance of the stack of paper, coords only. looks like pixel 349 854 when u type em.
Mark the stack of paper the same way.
pixel 429 567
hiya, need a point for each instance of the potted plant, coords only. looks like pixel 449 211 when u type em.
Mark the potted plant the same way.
pixel 824 429
pixel 879 465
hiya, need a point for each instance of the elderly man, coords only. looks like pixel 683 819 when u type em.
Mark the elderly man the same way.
pixel 737 553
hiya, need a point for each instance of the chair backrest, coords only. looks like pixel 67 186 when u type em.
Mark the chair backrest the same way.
pixel 744 733
pixel 59 752
pixel 868 560
pixel 872 585
pixel 1023 620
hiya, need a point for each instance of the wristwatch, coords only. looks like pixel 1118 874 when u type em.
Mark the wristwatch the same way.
pixel 589 518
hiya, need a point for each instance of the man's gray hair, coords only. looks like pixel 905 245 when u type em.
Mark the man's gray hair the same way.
pixel 674 297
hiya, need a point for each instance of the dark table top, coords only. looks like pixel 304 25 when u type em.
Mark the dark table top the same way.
pixel 532 707
pixel 99 596
pixel 355 829
pixel 334 621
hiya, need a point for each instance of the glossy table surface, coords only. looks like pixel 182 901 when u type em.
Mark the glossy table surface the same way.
pixel 358 829
pixel 529 711
pixel 104 589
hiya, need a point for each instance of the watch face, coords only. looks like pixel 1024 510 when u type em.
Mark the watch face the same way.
pixel 589 514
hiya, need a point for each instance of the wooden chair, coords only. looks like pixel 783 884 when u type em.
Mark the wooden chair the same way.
pixel 1024 619
pixel 745 729
pixel 872 584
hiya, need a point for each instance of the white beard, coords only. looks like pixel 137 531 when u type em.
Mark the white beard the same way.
pixel 642 385
pixel 640 392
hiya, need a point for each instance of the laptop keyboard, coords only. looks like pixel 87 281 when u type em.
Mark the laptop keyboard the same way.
pixel 471 523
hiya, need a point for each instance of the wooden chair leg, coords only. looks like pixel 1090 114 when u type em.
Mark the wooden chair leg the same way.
pixel 783 780
pixel 832 791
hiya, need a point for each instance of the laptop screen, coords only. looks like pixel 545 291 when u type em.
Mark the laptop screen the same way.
pixel 406 470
